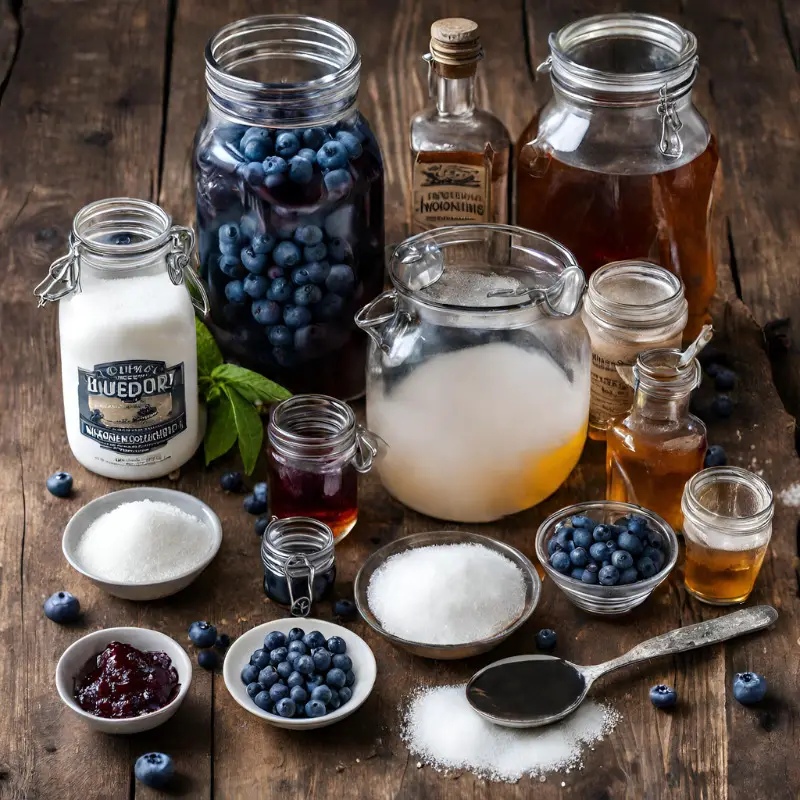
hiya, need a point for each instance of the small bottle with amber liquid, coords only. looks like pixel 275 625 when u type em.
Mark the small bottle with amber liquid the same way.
pixel 655 448
pixel 460 154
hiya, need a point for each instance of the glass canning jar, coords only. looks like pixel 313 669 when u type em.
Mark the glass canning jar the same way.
pixel 478 371
pixel 619 163
pixel 289 185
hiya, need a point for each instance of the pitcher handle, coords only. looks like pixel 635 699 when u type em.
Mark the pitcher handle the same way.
pixel 370 320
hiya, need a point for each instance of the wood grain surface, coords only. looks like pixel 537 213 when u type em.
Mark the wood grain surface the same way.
pixel 101 98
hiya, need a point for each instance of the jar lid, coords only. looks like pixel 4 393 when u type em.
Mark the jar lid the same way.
pixel 455 46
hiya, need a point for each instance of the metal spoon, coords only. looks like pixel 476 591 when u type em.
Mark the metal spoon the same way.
pixel 530 691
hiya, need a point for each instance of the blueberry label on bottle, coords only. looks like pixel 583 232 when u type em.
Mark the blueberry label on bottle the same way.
pixel 448 192
pixel 132 407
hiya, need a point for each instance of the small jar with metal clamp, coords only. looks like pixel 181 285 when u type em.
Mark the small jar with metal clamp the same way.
pixel 299 562
pixel 128 343
pixel 316 449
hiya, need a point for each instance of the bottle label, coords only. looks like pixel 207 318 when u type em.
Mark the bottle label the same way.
pixel 611 395
pixel 132 407
pixel 450 188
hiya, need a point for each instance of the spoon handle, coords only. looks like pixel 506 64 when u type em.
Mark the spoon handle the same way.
pixel 691 637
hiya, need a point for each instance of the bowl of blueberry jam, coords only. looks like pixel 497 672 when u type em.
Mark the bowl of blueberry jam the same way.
pixel 607 557
pixel 124 680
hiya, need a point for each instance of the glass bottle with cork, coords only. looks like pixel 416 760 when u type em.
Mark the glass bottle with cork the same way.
pixel 460 154
pixel 658 445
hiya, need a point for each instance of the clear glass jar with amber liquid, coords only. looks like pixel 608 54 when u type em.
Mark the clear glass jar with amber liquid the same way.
pixel 658 445
pixel 619 164
pixel 460 154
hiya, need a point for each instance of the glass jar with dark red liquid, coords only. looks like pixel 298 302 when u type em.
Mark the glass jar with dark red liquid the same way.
pixel 316 450
pixel 289 185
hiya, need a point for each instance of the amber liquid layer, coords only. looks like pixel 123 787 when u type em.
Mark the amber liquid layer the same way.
pixel 721 577
pixel 603 217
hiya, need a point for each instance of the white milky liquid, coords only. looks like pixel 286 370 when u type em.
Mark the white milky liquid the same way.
pixel 128 327
pixel 479 433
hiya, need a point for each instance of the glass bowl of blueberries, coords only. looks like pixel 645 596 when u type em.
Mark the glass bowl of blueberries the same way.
pixel 606 556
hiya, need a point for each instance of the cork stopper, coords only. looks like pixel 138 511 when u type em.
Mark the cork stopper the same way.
pixel 455 47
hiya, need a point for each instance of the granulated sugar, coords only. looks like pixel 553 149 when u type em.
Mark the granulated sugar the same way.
pixel 440 727
pixel 447 594
pixel 143 542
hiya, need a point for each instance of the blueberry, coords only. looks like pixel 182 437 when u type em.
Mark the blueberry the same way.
pixel 308 235
pixel 315 708
pixel 254 262
pixel 60 484
pixel 724 379
pixel 546 639
pixel 264 701
pixel 552 546
pixel 223 642
pixel 322 659
pixel 278 691
pixel 234 291
pixel 581 521
pixel 330 307
pixel 314 138
pixel 278 655
pixel 304 665
pixel 608 576
pixel 322 693
pixel 231 481
pixel 351 143
pixel 208 659
pixel 602 533
pixel 656 556
pixel 637 526
pixel 229 234
pixel 298 645
pixel 122 239
pixel 286 707
pixel 308 154
pixel 280 291
pixel 255 286
pixel 250 674
pixel 301 276
pixel 339 249
pixel 345 609
pixel 262 523
pixel 296 316
pixel 253 689
pixel 318 272
pixel 273 639
pixel 254 173
pixel 345 693
pixel 260 658
pixel 295 678
pixel 300 170
pixel 598 551
pixel 332 155
pixel 231 266
pixel 280 336
pixel 275 169
pixel 576 573
pixel 294 635
pixel 284 669
pixel 343 662
pixel 349 678
pixel 336 645
pixel 275 272
pixel 286 144
pixel 307 295
pixel 255 150
pixel 252 505
pixel 267 312
pixel 749 687
pixel 286 254
pixel 560 562
pixel 563 536
pixel 655 540
pixel 268 677
pixel 155 770
pixel 579 557
pixel 662 696
pixel 582 538
pixel 715 457
pixel 314 639
pixel 335 700
pixel 336 678
pixel 722 406
pixel 338 181
pixel 259 135
pixel 589 576
pixel 629 575
pixel 646 567
pixel 340 280
pixel 62 607
pixel 313 681
pixel 202 634
pixel 633 544
pixel 622 559
pixel 315 252
pixel 298 694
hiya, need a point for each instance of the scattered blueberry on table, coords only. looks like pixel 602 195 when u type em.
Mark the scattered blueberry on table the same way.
pixel 310 677
pixel 60 484
pixel 223 642
pixel 749 687
pixel 155 770
pixel 262 523
pixel 722 406
pixel 724 379
pixel 208 659
pixel 253 505
pixel 202 634
pixel 546 639
pixel 715 457
pixel 345 609
pixel 662 696
pixel 62 607
pixel 232 482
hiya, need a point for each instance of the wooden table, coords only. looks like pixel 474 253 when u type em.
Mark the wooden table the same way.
pixel 101 98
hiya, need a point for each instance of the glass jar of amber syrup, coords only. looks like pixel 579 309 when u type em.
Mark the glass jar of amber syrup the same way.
pixel 619 164
pixel 316 450
pixel 658 445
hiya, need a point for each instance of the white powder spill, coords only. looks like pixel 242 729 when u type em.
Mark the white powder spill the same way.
pixel 143 542
pixel 790 496
pixel 441 727
pixel 432 595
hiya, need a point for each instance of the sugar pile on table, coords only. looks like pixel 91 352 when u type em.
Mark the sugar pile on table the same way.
pixel 447 594
pixel 143 542
pixel 440 727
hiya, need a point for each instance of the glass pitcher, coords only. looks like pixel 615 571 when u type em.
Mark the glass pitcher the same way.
pixel 478 371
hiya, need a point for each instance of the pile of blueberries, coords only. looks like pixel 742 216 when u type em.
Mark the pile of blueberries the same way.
pixel 300 674
pixel 624 552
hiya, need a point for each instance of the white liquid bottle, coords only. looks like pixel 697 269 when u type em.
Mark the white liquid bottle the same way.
pixel 128 342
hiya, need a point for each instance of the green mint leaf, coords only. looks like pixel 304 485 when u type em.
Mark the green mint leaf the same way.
pixel 248 427
pixel 208 354
pixel 221 430
pixel 253 387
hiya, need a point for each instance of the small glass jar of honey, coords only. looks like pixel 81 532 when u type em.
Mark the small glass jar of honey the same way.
pixel 316 450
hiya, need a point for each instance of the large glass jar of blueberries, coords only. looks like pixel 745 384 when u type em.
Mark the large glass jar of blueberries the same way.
pixel 289 182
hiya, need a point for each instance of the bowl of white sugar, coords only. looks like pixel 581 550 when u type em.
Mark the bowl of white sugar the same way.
pixel 447 594
pixel 142 543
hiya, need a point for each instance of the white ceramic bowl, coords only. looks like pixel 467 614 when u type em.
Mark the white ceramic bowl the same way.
pixel 102 505
pixel 74 659
pixel 238 657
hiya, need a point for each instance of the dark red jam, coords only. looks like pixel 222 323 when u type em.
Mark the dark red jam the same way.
pixel 124 682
